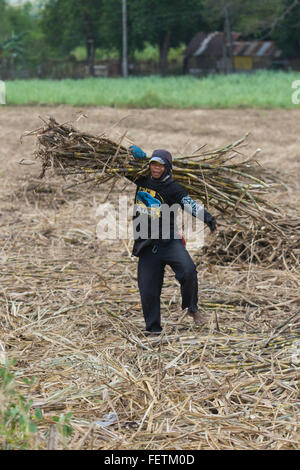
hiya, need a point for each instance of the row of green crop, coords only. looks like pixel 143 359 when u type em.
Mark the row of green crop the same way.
pixel 263 89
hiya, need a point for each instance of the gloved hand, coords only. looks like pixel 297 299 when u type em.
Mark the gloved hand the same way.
pixel 210 221
pixel 137 152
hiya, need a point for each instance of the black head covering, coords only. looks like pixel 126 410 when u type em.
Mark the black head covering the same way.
pixel 164 157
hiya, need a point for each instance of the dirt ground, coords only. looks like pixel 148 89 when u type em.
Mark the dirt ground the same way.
pixel 70 310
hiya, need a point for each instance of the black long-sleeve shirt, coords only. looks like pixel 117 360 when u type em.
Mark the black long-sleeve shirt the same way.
pixel 156 205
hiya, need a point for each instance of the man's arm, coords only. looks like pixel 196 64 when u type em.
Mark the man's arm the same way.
pixel 137 154
pixel 181 197
pixel 199 211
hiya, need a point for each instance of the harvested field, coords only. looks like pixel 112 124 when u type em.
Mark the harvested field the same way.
pixel 71 317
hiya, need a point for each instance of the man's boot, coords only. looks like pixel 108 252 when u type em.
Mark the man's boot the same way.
pixel 199 318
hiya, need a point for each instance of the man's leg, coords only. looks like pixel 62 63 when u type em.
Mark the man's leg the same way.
pixel 150 281
pixel 184 268
pixel 185 272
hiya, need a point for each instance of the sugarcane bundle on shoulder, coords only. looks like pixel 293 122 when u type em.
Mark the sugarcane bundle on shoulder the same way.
pixel 222 179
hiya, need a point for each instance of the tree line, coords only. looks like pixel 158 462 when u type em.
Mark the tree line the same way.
pixel 44 29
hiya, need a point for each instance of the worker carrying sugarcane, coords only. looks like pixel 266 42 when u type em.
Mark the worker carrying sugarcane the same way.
pixel 157 242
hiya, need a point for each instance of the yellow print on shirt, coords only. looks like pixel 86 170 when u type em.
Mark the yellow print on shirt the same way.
pixel 149 202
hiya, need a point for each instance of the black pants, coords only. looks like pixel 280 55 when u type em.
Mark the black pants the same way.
pixel 151 266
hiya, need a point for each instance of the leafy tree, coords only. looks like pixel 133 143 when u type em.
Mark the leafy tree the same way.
pixel 164 23
pixel 157 22
pixel 111 24
pixel 250 17
pixel 14 26
pixel 12 44
pixel 69 23
pixel 286 30
pixel 270 19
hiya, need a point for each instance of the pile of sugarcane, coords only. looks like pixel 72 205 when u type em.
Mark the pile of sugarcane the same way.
pixel 222 179
pixel 263 245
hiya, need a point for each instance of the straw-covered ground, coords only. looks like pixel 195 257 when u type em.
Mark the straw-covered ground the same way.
pixel 71 317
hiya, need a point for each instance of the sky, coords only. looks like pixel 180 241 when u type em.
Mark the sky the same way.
pixel 19 2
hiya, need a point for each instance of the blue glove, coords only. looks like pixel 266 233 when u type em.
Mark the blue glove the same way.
pixel 137 152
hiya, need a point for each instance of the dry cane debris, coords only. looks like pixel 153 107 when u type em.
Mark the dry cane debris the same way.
pixel 261 245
